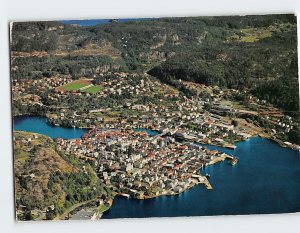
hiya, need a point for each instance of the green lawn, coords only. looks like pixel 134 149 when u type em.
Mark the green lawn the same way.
pixel 74 86
pixel 93 90
pixel 251 35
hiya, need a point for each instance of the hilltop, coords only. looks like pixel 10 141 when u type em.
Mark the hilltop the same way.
pixel 47 182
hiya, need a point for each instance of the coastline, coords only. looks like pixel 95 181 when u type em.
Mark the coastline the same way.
pixel 205 180
pixel 227 145
pixel 196 180
pixel 206 183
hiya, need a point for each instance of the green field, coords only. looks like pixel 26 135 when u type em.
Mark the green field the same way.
pixel 250 35
pixel 74 86
pixel 93 90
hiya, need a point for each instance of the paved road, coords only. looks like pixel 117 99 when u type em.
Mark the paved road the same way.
pixel 73 207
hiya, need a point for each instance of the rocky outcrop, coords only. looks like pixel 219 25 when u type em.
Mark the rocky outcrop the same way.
pixel 100 69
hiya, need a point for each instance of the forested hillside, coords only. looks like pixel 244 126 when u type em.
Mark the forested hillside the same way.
pixel 258 53
pixel 46 176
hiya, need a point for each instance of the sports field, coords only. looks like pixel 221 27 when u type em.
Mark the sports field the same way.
pixel 76 85
pixel 79 85
pixel 93 90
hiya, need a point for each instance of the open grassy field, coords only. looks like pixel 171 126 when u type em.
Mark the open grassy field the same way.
pixel 250 35
pixel 79 85
pixel 92 50
pixel 93 90
pixel 76 85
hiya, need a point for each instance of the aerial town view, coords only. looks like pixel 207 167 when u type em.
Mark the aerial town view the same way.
pixel 158 117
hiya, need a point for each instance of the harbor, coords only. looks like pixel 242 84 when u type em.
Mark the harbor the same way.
pixel 257 159
pixel 246 188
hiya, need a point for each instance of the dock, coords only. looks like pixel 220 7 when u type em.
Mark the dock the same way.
pixel 217 159
pixel 207 184
pixel 233 160
pixel 230 146
pixel 202 180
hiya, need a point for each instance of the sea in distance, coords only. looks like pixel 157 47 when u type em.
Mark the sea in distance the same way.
pixel 94 22
pixel 264 181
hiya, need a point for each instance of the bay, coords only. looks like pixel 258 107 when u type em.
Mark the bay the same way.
pixel 265 180
pixel 37 124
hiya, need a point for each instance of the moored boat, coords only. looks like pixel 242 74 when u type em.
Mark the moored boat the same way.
pixel 234 161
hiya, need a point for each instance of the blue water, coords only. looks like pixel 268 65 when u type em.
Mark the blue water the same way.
pixel 149 131
pixel 93 22
pixel 39 125
pixel 265 180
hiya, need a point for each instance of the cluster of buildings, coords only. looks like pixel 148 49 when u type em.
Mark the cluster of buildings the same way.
pixel 165 109
pixel 142 166
pixel 29 91
pixel 172 112
pixel 121 84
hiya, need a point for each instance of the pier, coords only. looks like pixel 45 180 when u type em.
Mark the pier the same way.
pixel 233 160
pixel 202 180
pixel 207 183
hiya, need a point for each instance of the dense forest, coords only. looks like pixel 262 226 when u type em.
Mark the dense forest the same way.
pixel 258 53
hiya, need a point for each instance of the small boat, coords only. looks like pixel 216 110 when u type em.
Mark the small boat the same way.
pixel 230 146
pixel 234 161
pixel 207 175
pixel 124 195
